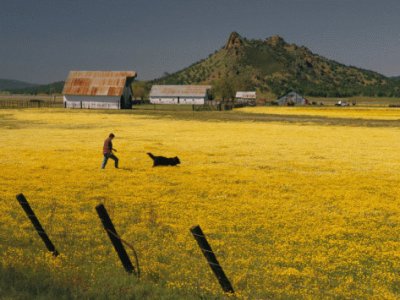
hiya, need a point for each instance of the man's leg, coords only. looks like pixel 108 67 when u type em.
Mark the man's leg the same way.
pixel 112 156
pixel 103 165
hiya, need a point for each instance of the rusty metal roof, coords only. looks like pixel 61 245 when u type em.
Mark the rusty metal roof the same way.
pixel 97 83
pixel 179 90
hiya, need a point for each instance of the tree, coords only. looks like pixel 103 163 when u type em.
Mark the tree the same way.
pixel 224 89
pixel 140 90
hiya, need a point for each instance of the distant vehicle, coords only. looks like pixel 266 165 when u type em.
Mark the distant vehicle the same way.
pixel 342 103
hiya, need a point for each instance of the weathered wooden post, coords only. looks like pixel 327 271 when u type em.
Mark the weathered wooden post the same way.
pixel 31 215
pixel 112 234
pixel 211 259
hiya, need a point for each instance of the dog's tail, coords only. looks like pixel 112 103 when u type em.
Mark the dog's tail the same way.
pixel 151 155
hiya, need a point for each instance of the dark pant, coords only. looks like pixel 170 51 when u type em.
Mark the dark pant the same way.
pixel 106 157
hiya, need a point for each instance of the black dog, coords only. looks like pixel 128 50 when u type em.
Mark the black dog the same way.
pixel 164 161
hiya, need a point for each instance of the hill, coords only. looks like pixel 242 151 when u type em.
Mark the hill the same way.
pixel 51 88
pixel 6 84
pixel 273 66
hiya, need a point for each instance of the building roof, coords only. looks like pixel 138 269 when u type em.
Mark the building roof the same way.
pixel 179 90
pixel 246 95
pixel 97 83
pixel 293 97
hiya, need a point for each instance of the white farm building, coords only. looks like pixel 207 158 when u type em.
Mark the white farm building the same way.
pixel 179 94
pixel 99 89
pixel 246 98
pixel 292 98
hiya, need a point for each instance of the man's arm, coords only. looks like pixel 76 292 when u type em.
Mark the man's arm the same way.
pixel 110 145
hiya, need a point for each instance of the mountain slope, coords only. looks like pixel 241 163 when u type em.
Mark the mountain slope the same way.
pixel 51 88
pixel 14 84
pixel 276 67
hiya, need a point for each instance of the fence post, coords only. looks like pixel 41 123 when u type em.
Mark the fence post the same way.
pixel 112 234
pixel 211 259
pixel 31 215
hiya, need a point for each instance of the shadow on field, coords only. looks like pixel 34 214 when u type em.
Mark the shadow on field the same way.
pixel 126 169
pixel 234 116
pixel 17 284
pixel 40 284
pixel 8 121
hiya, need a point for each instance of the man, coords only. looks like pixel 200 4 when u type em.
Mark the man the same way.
pixel 108 151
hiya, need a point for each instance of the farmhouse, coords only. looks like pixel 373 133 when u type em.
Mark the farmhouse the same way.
pixel 179 94
pixel 292 98
pixel 245 98
pixel 99 89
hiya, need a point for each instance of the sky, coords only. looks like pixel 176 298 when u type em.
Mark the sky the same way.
pixel 42 40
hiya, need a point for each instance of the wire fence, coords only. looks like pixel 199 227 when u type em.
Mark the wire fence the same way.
pixel 41 103
pixel 119 243
pixel 32 103
pixel 219 106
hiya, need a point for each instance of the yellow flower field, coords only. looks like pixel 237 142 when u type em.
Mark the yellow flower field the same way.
pixel 291 210
pixel 376 113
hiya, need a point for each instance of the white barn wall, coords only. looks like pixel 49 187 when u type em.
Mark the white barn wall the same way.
pixel 92 102
pixel 246 97
pixel 182 100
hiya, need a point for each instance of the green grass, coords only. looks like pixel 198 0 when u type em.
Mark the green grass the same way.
pixel 163 107
pixel 38 284
pixel 360 101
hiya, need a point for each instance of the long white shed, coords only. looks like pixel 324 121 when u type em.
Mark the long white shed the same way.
pixel 179 94
pixel 246 97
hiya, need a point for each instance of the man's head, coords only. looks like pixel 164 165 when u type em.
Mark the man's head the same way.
pixel 111 135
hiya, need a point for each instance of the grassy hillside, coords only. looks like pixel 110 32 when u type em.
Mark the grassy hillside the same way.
pixel 51 88
pixel 6 84
pixel 275 67
pixel 272 66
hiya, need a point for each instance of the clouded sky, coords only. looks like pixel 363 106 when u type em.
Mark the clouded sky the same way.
pixel 41 40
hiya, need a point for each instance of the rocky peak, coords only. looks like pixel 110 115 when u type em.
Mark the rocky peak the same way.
pixel 234 41
pixel 275 40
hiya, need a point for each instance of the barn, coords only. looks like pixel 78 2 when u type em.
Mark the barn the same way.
pixel 99 89
pixel 179 94
pixel 291 99
pixel 245 98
